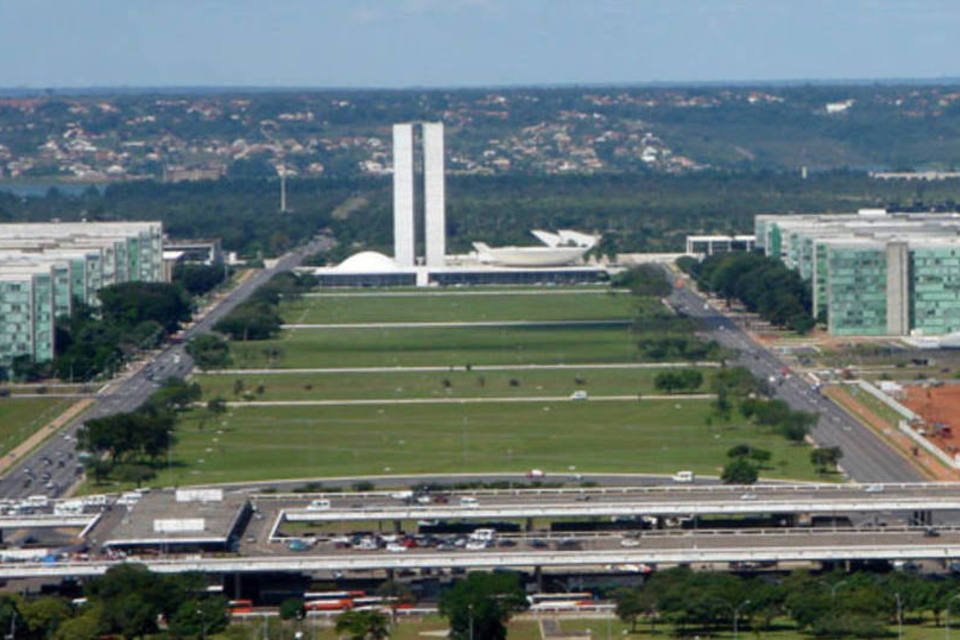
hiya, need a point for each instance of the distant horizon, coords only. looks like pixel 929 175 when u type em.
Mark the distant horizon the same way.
pixel 651 84
pixel 439 44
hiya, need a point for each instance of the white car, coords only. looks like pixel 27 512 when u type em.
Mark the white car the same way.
pixel 629 542
pixel 874 488
pixel 469 502
pixel 395 547
pixel 318 505
pixel 580 394
pixel 477 545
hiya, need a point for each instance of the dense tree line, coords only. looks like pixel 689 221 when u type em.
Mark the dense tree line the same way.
pixel 634 211
pixel 129 446
pixel 480 605
pixel 679 380
pixel 259 317
pixel 128 602
pixel 764 285
pixel 198 279
pixel 835 605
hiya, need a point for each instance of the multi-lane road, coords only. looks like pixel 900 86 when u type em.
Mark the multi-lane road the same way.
pixel 866 458
pixel 52 468
pixel 571 551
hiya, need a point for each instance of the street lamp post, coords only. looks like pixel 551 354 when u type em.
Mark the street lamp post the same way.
pixel 470 619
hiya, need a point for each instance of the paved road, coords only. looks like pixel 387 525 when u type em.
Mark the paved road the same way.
pixel 57 456
pixel 866 458
pixel 651 547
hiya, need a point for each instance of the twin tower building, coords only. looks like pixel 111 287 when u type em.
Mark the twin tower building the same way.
pixel 407 193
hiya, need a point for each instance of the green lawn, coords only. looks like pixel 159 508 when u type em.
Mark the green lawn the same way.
pixel 20 417
pixel 308 348
pixel 462 384
pixel 457 307
pixel 528 629
pixel 253 443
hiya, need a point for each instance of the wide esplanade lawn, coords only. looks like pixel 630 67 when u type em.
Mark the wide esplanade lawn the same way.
pixel 312 348
pixel 462 306
pixel 624 436
pixel 434 384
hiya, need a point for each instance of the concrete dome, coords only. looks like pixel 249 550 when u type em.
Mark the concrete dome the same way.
pixel 368 262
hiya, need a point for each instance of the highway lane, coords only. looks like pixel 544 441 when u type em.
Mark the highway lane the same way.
pixel 807 545
pixel 53 468
pixel 866 458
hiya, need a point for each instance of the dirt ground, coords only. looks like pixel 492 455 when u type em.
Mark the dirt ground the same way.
pixel 926 462
pixel 939 407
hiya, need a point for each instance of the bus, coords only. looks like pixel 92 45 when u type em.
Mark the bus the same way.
pixel 240 606
pixel 332 600
pixel 558 601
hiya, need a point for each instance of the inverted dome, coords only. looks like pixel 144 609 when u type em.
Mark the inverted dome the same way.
pixel 368 262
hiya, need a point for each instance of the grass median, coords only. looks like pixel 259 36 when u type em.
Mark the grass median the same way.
pixel 460 307
pixel 305 348
pixel 440 384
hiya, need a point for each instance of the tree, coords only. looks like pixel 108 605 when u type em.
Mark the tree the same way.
pixel 251 321
pixel 85 626
pixel 43 615
pixel 201 617
pixel 739 471
pixel 198 279
pixel 632 604
pixel 292 609
pixel 209 351
pixel 129 303
pixel 363 625
pixel 484 601
pixel 825 459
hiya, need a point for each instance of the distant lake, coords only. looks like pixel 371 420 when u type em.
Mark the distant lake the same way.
pixel 41 188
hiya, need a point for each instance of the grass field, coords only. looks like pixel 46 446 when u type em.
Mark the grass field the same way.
pixel 442 347
pixel 256 443
pixel 599 628
pixel 447 384
pixel 20 417
pixel 457 307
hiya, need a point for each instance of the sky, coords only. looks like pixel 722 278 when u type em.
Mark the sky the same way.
pixel 462 43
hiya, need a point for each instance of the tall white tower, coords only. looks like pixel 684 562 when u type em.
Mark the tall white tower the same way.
pixel 434 198
pixel 403 245
pixel 434 210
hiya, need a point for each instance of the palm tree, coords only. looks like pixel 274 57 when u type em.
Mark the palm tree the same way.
pixel 363 625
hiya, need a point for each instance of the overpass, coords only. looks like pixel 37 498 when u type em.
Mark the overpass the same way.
pixel 791 545
pixel 677 500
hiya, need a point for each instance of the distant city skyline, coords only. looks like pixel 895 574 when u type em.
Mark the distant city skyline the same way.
pixel 464 43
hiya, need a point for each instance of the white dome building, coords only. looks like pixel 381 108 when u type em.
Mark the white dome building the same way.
pixel 368 262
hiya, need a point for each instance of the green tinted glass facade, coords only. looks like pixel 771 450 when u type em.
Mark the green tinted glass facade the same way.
pixel 856 291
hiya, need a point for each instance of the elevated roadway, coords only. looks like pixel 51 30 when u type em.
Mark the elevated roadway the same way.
pixel 666 500
pixel 609 552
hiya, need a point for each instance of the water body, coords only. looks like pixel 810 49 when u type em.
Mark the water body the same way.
pixel 40 189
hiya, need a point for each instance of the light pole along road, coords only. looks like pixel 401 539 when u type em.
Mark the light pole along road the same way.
pixel 129 393
pixel 866 458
